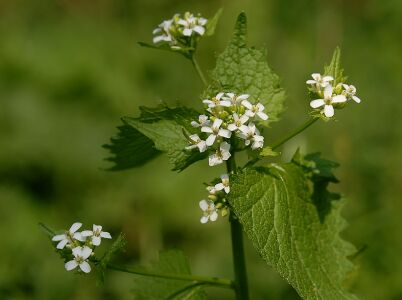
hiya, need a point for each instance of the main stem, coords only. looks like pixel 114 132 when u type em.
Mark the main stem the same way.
pixel 198 69
pixel 240 284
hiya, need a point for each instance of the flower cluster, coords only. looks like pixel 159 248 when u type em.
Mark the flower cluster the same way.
pixel 330 97
pixel 81 244
pixel 227 116
pixel 216 200
pixel 178 31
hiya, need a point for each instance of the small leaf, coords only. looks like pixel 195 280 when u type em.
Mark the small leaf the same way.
pixel 157 130
pixel 212 22
pixel 292 233
pixel 335 69
pixel 130 148
pixel 267 151
pixel 151 288
pixel 243 69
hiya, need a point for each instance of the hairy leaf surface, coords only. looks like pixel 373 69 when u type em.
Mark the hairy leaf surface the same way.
pixel 152 288
pixel 243 69
pixel 291 232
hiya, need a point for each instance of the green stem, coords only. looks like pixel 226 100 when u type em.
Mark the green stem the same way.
pixel 241 285
pixel 198 69
pixel 222 282
pixel 309 122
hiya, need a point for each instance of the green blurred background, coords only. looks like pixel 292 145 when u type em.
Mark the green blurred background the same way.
pixel 70 68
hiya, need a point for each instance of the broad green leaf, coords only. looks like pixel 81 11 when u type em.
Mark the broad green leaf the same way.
pixel 291 232
pixel 157 130
pixel 243 69
pixel 212 22
pixel 335 69
pixel 130 148
pixel 152 288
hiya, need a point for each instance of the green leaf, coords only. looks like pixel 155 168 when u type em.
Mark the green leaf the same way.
pixel 212 22
pixel 335 69
pixel 243 69
pixel 130 148
pixel 151 288
pixel 290 231
pixel 157 130
pixel 267 151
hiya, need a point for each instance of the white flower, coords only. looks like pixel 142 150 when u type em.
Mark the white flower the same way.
pixel 197 142
pixel 96 234
pixel 203 121
pixel 163 32
pixel 69 236
pixel 237 99
pixel 256 109
pixel 250 134
pixel 238 122
pixel 320 80
pixel 220 155
pixel 224 185
pixel 81 255
pixel 350 91
pixel 192 24
pixel 215 131
pixel 211 190
pixel 210 213
pixel 328 101
pixel 216 101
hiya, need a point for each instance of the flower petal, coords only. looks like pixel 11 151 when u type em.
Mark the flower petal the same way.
pixel 356 99
pixel 202 146
pixel 328 111
pixel 203 205
pixel 59 237
pixel 262 115
pixel 86 252
pixel 247 104
pixel 338 99
pixel 219 186
pixel 204 219
pixel 217 123
pixel 232 127
pixel 85 267
pixel 70 265
pixel 213 216
pixel 210 140
pixel 225 133
pixel 96 240
pixel 87 233
pixel 199 29
pixel 317 103
pixel 328 91
pixel 75 227
pixel 62 244
pixel 105 235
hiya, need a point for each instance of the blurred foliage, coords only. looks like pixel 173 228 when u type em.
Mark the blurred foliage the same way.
pixel 70 68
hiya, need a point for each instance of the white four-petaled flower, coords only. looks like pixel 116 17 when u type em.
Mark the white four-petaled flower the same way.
pixel 218 100
pixel 69 236
pixel 350 91
pixel 251 134
pixel 237 99
pixel 328 101
pixel 210 213
pixel 81 255
pixel 319 80
pixel 256 109
pixel 192 24
pixel 238 122
pixel 163 32
pixel 224 185
pixel 96 234
pixel 220 154
pixel 197 142
pixel 203 121
pixel 215 130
